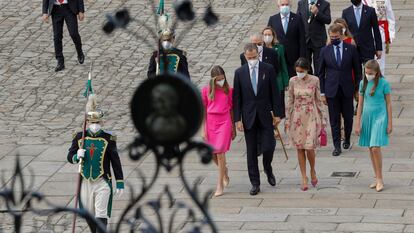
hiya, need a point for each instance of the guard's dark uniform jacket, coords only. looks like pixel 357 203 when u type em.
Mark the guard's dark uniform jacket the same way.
pixel 101 152
pixel 177 63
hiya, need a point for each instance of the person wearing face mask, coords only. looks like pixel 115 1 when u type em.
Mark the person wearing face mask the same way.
pixel 338 61
pixel 305 118
pixel 218 129
pixel 97 156
pixel 363 24
pixel 315 15
pixel 374 117
pixel 255 97
pixel 176 58
pixel 271 42
pixel 290 32
pixel 266 54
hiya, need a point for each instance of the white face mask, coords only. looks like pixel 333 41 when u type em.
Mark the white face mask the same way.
pixel 94 128
pixel 370 76
pixel 166 45
pixel 301 75
pixel 253 62
pixel 220 83
pixel 268 39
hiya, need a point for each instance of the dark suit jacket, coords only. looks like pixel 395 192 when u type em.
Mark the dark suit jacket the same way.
pixel 315 30
pixel 366 43
pixel 293 40
pixel 182 65
pixel 246 105
pixel 269 57
pixel 333 76
pixel 75 6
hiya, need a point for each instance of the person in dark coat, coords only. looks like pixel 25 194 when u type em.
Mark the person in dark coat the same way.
pixel 68 11
pixel 337 63
pixel 290 33
pixel 315 15
pixel 255 98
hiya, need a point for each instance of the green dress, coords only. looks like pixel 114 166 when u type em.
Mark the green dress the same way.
pixel 283 76
pixel 374 119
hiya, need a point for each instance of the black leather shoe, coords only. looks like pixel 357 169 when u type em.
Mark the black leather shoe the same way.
pixel 255 190
pixel 336 152
pixel 271 179
pixel 346 145
pixel 81 58
pixel 60 66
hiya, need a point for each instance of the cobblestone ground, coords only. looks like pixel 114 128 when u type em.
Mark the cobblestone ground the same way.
pixel 39 111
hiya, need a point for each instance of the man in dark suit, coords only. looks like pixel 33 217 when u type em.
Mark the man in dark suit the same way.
pixel 266 55
pixel 290 32
pixel 337 61
pixel 64 11
pixel 362 21
pixel 315 14
pixel 176 58
pixel 255 97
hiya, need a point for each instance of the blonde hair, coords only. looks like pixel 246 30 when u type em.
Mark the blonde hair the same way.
pixel 217 71
pixel 275 40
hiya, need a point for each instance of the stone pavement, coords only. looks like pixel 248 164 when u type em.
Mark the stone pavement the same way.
pixel 39 110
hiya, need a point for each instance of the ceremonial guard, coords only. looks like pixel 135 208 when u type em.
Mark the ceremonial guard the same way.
pixel 386 22
pixel 176 58
pixel 98 153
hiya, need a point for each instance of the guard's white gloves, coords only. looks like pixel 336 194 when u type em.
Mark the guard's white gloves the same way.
pixel 119 192
pixel 80 154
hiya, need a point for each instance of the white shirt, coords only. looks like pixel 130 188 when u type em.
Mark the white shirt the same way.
pixel 256 71
pixel 63 2
pixel 360 10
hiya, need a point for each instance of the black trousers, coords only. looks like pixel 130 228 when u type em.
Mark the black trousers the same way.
pixel 341 105
pixel 60 14
pixel 312 54
pixel 263 136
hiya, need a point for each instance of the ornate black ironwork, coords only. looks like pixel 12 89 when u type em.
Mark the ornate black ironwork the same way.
pixel 185 113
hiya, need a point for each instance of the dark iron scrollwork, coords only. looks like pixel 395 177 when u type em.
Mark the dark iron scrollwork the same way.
pixel 167 112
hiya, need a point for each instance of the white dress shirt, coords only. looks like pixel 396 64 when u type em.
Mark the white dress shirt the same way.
pixel 57 2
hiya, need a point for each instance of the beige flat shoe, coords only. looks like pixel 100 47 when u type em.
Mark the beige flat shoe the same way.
pixel 373 185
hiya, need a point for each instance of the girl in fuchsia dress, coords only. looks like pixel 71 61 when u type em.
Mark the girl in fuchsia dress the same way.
pixel 219 129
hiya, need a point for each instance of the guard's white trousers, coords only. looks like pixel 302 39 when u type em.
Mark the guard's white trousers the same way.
pixel 96 197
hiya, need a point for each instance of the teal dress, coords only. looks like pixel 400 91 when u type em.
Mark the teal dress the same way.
pixel 374 119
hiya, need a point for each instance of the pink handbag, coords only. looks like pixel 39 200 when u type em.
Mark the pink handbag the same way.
pixel 323 137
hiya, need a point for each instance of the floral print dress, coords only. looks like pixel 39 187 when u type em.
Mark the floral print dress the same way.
pixel 305 115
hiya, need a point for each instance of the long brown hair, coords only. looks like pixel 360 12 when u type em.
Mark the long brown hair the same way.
pixel 217 71
pixel 372 65
pixel 275 40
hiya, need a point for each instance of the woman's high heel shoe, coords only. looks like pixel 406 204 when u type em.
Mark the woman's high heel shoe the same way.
pixel 314 182
pixel 305 185
pixel 380 186
pixel 373 185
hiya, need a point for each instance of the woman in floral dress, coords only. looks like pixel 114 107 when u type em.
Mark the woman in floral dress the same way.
pixel 305 118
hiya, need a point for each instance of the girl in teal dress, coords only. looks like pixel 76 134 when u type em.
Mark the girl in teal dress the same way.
pixel 270 39
pixel 374 117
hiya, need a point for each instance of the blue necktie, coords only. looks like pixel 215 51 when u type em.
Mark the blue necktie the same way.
pixel 254 80
pixel 358 16
pixel 338 56
pixel 285 24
